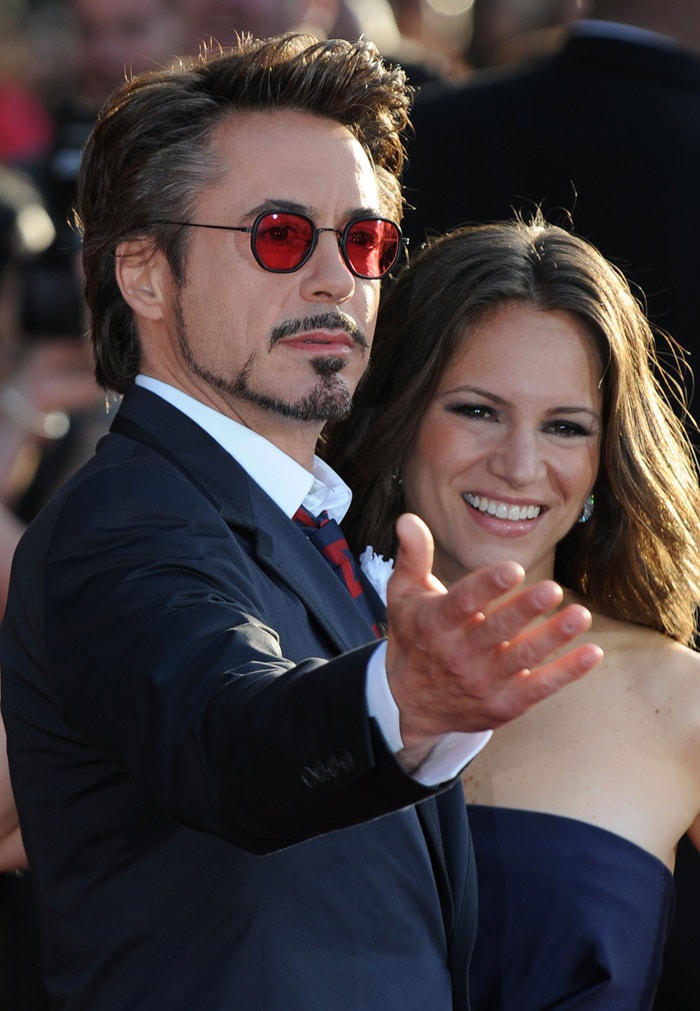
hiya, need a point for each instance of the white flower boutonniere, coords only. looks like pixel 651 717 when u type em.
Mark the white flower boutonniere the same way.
pixel 377 568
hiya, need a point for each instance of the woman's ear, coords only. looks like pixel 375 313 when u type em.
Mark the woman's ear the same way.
pixel 142 274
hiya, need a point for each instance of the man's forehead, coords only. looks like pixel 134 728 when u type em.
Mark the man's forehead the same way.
pixel 294 156
pixel 283 124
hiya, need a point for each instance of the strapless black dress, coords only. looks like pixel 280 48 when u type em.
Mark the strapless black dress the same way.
pixel 570 915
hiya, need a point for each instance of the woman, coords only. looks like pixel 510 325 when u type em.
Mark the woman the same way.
pixel 513 403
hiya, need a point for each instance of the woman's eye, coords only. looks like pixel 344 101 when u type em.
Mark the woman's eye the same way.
pixel 567 429
pixel 472 410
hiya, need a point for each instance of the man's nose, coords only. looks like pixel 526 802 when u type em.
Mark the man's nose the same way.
pixel 325 275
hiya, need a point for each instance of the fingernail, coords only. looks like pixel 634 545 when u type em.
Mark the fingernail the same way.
pixel 544 598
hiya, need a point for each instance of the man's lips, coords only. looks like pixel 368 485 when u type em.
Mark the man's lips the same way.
pixel 335 330
pixel 321 340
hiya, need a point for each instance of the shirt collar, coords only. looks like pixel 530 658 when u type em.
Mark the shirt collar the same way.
pixel 287 483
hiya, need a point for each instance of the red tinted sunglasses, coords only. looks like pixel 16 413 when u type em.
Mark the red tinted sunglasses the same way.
pixel 282 242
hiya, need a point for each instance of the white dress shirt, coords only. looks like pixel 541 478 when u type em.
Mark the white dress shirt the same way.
pixel 290 485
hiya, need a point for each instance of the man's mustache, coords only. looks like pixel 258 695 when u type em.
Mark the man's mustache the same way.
pixel 326 321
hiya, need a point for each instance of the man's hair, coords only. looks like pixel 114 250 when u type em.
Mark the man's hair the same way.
pixel 638 557
pixel 149 154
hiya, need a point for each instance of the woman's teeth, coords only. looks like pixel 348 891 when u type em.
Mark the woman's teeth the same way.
pixel 502 510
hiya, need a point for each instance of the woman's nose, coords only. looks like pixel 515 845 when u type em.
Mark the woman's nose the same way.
pixel 518 458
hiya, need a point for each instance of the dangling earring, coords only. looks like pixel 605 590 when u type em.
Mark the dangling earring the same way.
pixel 588 507
pixel 397 480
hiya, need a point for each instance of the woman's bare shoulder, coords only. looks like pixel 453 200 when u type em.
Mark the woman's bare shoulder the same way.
pixel 659 671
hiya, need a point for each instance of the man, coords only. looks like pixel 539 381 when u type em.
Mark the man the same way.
pixel 216 766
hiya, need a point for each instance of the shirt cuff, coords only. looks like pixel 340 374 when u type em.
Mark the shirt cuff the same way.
pixel 451 752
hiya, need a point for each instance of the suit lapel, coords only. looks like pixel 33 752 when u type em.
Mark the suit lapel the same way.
pixel 279 546
pixel 283 549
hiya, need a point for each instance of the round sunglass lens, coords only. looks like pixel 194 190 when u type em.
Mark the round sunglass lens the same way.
pixel 372 246
pixel 282 241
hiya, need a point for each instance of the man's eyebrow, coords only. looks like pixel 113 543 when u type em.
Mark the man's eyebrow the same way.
pixel 294 207
pixel 278 205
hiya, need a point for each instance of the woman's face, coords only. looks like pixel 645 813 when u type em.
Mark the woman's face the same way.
pixel 508 449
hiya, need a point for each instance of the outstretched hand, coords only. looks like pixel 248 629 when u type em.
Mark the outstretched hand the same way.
pixel 465 659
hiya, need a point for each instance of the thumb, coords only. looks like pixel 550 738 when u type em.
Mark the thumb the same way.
pixel 414 563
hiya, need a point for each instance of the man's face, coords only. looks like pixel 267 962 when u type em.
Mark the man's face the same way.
pixel 279 352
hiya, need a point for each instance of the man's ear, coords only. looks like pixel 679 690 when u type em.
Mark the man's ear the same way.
pixel 143 276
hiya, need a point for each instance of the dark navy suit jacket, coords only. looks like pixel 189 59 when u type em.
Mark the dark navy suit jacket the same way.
pixel 212 820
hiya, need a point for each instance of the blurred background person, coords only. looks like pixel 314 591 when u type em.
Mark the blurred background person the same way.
pixel 504 32
pixel 117 38
pixel 25 230
pixel 26 130
pixel 43 383
pixel 427 37
pixel 433 51
pixel 107 39
pixel 605 131
pixel 222 19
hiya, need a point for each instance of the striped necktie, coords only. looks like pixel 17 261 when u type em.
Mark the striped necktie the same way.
pixel 326 535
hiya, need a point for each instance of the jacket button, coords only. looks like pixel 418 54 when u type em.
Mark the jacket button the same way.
pixel 315 775
pixel 322 772
pixel 309 777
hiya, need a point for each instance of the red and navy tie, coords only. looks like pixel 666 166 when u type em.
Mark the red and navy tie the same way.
pixel 326 535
